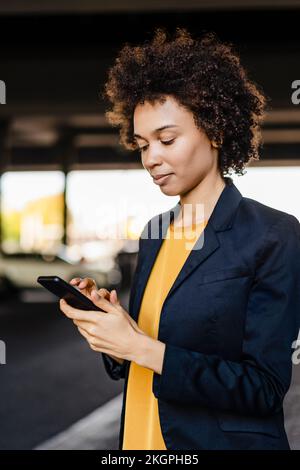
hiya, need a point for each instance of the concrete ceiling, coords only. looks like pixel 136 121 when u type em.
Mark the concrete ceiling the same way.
pixel 54 67
pixel 88 6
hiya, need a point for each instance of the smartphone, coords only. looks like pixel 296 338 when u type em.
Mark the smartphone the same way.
pixel 64 290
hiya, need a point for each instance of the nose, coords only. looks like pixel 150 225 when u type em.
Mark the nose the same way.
pixel 152 157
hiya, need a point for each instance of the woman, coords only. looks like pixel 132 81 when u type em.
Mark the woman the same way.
pixel 205 348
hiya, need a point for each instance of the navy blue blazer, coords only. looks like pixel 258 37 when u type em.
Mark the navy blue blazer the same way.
pixel 228 322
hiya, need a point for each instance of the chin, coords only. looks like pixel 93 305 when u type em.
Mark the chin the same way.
pixel 169 191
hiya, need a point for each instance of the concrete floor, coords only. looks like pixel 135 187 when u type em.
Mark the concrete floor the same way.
pixel 51 378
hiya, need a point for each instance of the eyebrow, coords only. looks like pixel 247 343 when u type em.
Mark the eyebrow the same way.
pixel 157 130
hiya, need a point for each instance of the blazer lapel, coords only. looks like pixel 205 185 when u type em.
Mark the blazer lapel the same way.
pixel 208 242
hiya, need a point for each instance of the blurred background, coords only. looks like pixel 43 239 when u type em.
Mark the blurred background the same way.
pixel 67 188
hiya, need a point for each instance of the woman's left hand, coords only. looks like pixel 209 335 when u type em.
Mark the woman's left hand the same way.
pixel 112 331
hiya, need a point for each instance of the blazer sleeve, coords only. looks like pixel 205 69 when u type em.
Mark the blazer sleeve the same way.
pixel 115 370
pixel 257 384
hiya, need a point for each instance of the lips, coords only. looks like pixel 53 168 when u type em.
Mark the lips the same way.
pixel 157 177
pixel 162 179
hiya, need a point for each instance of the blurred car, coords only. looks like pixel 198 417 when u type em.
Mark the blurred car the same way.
pixel 21 270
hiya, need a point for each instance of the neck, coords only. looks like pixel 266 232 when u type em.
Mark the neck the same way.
pixel 198 204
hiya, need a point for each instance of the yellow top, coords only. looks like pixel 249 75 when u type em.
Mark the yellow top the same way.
pixel 142 429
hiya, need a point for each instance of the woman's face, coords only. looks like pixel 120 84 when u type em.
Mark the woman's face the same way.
pixel 170 143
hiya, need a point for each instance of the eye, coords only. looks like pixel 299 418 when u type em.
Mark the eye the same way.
pixel 165 142
pixel 142 149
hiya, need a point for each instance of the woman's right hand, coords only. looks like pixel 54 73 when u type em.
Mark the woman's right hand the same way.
pixel 86 286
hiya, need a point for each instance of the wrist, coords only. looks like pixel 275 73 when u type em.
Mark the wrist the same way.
pixel 149 353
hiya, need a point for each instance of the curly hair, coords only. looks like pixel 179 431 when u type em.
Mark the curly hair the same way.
pixel 205 76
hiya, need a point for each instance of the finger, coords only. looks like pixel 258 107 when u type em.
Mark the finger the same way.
pixel 83 332
pixel 83 283
pixel 86 325
pixel 104 293
pixel 75 280
pixel 89 339
pixel 92 344
pixel 76 314
pixel 86 283
pixel 114 297
pixel 102 303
